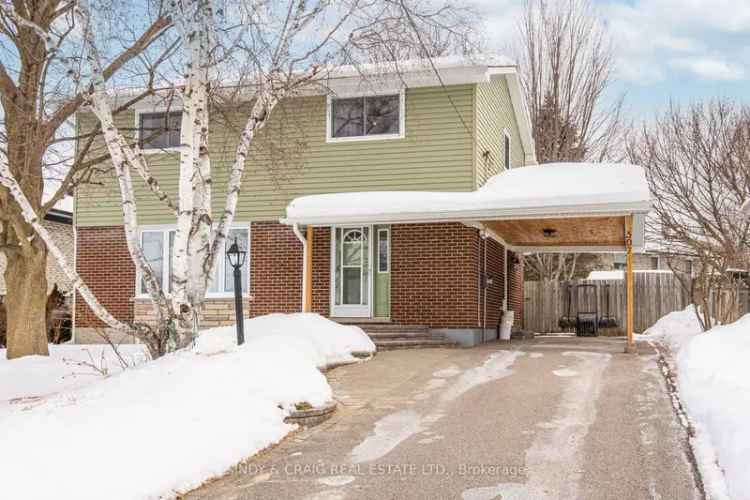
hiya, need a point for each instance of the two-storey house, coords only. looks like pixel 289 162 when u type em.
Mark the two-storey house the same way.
pixel 415 131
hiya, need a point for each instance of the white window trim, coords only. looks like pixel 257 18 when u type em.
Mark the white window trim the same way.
pixel 220 264
pixel 149 111
pixel 375 137
pixel 387 231
pixel 509 152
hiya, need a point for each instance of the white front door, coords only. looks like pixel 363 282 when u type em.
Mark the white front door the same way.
pixel 351 272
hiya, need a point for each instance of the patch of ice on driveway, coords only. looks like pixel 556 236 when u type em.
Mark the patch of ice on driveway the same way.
pixel 336 480
pixel 431 439
pixel 553 460
pixel 495 367
pixel 436 383
pixel 327 495
pixel 389 432
pixel 393 429
pixel 565 372
pixel 451 371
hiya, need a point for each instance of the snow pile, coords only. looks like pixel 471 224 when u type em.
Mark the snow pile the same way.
pixel 714 383
pixel 333 343
pixel 676 329
pixel 63 369
pixel 166 426
pixel 545 188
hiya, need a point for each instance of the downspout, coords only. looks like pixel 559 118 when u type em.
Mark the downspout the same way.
pixel 505 280
pixel 302 240
pixel 486 287
pixel 479 284
pixel 505 293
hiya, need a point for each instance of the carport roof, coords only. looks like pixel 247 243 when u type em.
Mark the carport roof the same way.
pixel 551 207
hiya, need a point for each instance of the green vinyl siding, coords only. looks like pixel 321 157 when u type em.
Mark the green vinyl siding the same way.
pixel 291 157
pixel 494 112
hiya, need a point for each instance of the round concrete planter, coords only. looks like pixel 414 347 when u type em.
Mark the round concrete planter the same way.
pixel 312 416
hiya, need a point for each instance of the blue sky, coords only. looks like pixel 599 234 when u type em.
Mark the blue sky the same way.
pixel 679 50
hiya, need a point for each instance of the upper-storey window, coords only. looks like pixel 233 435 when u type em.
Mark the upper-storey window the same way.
pixel 159 130
pixel 367 117
pixel 506 150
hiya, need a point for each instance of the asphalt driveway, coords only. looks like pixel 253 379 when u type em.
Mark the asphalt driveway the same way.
pixel 553 418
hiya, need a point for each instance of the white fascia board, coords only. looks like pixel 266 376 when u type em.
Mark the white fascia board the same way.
pixel 639 232
pixel 378 84
pixel 552 212
pixel 522 117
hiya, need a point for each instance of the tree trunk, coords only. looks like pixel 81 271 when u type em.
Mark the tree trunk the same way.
pixel 26 301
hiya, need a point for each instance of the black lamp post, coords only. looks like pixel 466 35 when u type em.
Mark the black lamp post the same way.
pixel 237 259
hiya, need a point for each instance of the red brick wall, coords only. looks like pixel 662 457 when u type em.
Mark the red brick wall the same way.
pixel 495 292
pixel 103 261
pixel 321 278
pixel 515 288
pixel 434 273
pixel 276 269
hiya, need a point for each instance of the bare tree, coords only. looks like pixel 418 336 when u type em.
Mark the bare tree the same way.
pixel 698 165
pixel 259 53
pixel 566 64
pixel 39 98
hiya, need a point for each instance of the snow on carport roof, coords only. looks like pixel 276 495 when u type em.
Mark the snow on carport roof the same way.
pixel 550 190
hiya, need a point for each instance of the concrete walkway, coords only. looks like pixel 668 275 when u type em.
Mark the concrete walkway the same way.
pixel 554 418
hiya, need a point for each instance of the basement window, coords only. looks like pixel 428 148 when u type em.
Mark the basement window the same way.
pixel 365 118
pixel 158 246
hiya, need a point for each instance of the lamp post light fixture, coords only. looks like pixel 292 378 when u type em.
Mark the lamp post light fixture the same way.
pixel 237 260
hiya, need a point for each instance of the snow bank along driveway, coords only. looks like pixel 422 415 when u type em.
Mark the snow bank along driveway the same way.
pixel 714 383
pixel 164 426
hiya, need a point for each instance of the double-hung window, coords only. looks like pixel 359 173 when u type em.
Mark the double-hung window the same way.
pixel 506 150
pixel 159 130
pixel 158 247
pixel 366 117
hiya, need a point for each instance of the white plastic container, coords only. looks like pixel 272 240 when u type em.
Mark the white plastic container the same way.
pixel 506 325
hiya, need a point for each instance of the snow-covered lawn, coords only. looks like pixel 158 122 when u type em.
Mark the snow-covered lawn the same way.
pixel 714 382
pixel 167 425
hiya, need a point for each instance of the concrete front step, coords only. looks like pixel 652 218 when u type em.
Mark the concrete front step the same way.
pixel 376 328
pixel 389 336
pixel 401 335
pixel 389 345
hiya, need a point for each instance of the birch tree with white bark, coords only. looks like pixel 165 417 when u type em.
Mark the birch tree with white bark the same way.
pixel 39 164
pixel 258 53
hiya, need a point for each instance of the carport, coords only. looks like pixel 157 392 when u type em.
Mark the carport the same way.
pixel 559 208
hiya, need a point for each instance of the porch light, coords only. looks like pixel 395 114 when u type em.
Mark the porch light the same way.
pixel 237 260
pixel 236 256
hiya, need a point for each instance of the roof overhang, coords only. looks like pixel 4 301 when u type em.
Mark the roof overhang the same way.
pixel 552 208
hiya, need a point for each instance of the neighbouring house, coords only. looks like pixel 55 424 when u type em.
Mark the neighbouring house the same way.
pixel 59 223
pixel 397 209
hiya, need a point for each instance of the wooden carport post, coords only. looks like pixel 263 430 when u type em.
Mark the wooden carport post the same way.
pixel 308 270
pixel 630 345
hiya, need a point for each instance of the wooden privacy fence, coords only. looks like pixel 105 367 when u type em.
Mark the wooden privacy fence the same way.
pixel 656 294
